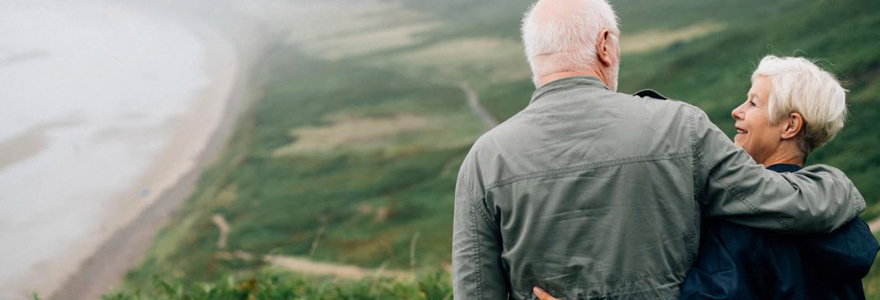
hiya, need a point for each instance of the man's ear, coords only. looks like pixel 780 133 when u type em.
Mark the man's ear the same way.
pixel 604 48
pixel 793 125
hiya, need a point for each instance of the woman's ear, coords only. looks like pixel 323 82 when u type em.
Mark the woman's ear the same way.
pixel 794 124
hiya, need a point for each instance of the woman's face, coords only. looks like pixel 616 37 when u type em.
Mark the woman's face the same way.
pixel 753 130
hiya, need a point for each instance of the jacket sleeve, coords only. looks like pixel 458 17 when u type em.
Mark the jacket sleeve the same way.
pixel 731 185
pixel 476 242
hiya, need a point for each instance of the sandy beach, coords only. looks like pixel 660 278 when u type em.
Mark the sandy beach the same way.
pixel 91 264
pixel 203 130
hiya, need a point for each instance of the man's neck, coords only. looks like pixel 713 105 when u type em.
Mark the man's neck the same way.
pixel 545 79
pixel 551 67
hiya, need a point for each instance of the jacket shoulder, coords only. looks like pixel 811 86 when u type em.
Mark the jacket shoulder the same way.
pixel 669 103
pixel 649 93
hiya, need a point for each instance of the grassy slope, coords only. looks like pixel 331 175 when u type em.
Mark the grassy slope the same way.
pixel 280 205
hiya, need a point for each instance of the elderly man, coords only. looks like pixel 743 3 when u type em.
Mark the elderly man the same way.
pixel 594 194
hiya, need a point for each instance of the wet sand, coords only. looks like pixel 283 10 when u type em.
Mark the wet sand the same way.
pixel 172 178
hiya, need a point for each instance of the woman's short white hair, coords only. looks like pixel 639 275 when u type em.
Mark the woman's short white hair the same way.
pixel 798 85
pixel 572 34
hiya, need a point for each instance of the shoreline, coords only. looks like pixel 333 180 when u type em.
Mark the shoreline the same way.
pixel 106 267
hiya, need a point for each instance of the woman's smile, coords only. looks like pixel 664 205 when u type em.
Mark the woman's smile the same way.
pixel 740 132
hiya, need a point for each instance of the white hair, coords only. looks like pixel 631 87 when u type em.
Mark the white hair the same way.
pixel 798 85
pixel 572 35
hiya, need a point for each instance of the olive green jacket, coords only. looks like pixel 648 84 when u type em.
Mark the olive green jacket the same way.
pixel 593 194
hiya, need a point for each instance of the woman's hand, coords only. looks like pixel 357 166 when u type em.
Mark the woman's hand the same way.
pixel 542 294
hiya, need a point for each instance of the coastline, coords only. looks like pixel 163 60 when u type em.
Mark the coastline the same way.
pixel 174 176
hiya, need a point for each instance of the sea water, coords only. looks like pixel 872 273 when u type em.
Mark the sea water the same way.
pixel 86 89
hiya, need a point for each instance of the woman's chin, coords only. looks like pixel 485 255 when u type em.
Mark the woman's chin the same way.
pixel 739 139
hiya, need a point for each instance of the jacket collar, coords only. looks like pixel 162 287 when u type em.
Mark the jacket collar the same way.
pixel 784 168
pixel 567 84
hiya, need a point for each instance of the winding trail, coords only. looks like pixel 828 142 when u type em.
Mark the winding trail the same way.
pixel 224 228
pixel 476 107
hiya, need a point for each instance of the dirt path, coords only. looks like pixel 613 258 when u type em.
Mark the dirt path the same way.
pixel 476 107
pixel 304 266
pixel 224 228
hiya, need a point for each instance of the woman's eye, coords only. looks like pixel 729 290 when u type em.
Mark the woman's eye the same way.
pixel 752 103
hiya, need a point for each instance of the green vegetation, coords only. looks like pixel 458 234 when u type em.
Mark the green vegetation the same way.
pixel 274 284
pixel 354 160
pixel 362 202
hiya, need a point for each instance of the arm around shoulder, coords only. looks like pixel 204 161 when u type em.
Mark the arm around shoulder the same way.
pixel 731 185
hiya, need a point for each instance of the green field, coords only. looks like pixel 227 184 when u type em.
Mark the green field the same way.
pixel 352 159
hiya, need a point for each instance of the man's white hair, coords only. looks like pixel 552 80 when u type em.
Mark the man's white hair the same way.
pixel 573 36
pixel 798 85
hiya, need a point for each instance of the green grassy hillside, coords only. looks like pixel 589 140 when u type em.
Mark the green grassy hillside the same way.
pixel 352 159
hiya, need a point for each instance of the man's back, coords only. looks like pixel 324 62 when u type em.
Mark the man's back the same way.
pixel 595 194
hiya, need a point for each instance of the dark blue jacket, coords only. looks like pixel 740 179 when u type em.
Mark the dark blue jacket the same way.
pixel 737 262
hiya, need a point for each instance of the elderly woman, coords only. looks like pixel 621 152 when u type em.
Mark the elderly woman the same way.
pixel 792 108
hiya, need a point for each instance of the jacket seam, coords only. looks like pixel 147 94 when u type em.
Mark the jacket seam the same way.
pixel 477 258
pixel 475 200
pixel 583 167
pixel 490 221
pixel 698 190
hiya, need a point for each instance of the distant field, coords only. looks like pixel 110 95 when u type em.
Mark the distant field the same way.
pixel 352 154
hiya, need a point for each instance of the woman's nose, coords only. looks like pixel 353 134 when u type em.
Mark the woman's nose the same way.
pixel 737 113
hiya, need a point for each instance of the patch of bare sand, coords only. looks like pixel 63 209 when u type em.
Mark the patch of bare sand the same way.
pixel 501 59
pixel 311 20
pixel 29 143
pixel 333 20
pixel 647 41
pixel 368 42
pixel 335 30
pixel 354 132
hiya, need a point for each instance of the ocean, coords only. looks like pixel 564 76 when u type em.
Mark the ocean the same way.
pixel 102 106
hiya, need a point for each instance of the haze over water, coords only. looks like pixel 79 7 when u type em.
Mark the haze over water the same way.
pixel 87 91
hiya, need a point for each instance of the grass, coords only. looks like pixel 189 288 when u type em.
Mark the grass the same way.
pixel 272 284
pixel 364 201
